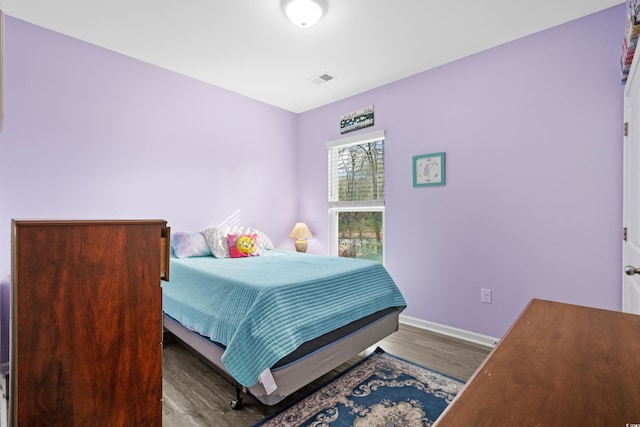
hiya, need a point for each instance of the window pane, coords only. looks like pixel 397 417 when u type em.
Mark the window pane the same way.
pixel 360 171
pixel 360 235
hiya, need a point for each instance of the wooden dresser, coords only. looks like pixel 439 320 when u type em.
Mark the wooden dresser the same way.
pixel 558 365
pixel 86 323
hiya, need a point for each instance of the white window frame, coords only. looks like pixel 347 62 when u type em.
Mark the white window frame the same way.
pixel 352 206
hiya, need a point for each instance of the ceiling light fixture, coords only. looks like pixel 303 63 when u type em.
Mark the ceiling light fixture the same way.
pixel 304 13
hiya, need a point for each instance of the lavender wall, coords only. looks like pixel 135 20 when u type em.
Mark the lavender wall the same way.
pixel 89 133
pixel 532 132
pixel 532 204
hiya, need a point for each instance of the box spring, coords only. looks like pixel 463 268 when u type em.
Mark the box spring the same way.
pixel 310 361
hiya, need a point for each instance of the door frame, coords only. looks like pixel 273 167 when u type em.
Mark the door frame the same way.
pixel 630 289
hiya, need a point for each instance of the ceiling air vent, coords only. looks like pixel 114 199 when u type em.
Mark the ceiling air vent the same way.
pixel 322 78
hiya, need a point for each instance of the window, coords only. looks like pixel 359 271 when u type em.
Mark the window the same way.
pixel 356 196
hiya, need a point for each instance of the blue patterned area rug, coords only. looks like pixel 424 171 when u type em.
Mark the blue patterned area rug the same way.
pixel 380 390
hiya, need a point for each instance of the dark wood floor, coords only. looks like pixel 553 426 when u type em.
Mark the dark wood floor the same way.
pixel 196 395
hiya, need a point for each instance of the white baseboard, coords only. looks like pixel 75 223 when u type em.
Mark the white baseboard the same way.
pixel 450 331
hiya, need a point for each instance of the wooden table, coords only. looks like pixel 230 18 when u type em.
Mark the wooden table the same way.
pixel 558 365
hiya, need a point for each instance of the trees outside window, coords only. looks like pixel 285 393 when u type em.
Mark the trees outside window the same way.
pixel 356 196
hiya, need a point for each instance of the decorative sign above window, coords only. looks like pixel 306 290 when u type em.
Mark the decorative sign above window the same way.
pixel 357 119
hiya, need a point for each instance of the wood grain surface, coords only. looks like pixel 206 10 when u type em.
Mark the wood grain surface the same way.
pixel 559 365
pixel 87 338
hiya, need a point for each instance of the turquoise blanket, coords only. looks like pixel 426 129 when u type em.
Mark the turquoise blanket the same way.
pixel 263 308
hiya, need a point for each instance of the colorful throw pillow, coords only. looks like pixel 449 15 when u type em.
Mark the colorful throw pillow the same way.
pixel 189 244
pixel 243 245
pixel 219 246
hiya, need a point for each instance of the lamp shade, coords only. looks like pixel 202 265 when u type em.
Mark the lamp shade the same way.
pixel 304 13
pixel 300 231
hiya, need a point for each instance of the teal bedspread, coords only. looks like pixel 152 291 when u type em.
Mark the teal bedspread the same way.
pixel 263 308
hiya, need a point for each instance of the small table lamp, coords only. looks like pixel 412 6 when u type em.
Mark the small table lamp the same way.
pixel 301 232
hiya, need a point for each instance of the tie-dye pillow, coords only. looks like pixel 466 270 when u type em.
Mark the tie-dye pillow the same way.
pixel 189 244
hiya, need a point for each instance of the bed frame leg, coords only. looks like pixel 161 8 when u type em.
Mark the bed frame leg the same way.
pixel 237 402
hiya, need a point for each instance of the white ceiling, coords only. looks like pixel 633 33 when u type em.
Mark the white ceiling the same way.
pixel 249 47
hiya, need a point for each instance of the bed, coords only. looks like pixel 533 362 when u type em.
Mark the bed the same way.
pixel 274 323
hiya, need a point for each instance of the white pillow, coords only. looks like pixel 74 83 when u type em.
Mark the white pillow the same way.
pixel 219 246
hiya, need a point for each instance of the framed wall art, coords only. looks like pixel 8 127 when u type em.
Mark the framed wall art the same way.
pixel 428 169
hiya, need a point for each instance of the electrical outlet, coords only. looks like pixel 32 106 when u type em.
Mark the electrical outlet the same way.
pixel 485 295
